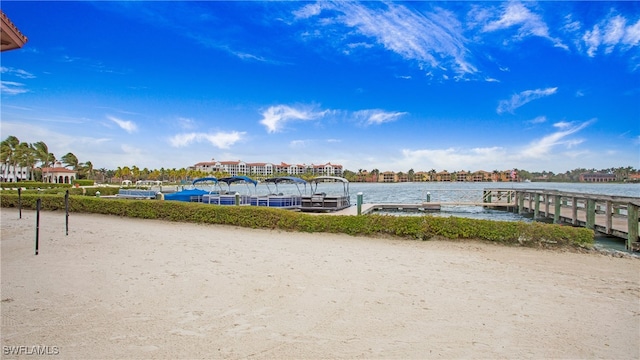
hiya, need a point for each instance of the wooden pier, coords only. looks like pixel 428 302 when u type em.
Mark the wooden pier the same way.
pixel 612 215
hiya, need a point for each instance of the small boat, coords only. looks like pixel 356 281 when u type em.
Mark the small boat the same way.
pixel 228 197
pixel 320 201
pixel 277 198
pixel 144 189
pixel 199 188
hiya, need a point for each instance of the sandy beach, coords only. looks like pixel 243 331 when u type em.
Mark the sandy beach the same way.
pixel 119 288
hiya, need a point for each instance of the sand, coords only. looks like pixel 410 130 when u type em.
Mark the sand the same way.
pixel 119 288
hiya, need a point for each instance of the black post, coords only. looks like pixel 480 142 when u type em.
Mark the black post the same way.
pixel 37 223
pixel 20 203
pixel 66 209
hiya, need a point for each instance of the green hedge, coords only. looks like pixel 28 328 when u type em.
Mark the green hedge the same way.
pixel 413 227
pixel 84 182
pixel 32 185
pixel 88 191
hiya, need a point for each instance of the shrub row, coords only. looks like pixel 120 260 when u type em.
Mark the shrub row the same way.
pixel 32 185
pixel 83 182
pixel 89 191
pixel 424 228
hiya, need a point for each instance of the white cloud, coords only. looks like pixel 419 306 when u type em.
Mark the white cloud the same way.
pixel 554 151
pixel 454 159
pixel 187 124
pixel 126 125
pixel 221 140
pixel 16 72
pixel 538 120
pixel 433 39
pixel 611 33
pixel 298 143
pixel 308 11
pixel 515 14
pixel 377 116
pixel 275 117
pixel 543 147
pixel 12 88
pixel 522 98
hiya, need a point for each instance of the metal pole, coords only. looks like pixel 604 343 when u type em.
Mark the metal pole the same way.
pixel 37 223
pixel 66 210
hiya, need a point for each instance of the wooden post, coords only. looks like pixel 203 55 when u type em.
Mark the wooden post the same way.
pixel 632 225
pixel 536 209
pixel 546 206
pixel 530 202
pixel 520 202
pixel 574 210
pixel 609 217
pixel 19 203
pixel 557 208
pixel 591 214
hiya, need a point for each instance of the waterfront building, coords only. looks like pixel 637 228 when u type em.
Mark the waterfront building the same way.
pixel 597 177
pixel 9 173
pixel 239 167
pixel 58 174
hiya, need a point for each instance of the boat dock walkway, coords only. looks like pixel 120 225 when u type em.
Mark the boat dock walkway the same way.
pixel 611 215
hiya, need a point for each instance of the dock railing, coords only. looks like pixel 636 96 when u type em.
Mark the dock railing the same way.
pixel 611 215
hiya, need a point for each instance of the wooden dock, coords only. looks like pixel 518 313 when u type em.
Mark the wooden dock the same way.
pixel 610 215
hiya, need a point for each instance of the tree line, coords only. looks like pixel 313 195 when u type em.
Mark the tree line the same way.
pixel 17 154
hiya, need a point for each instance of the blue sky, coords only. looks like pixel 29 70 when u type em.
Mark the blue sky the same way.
pixel 387 85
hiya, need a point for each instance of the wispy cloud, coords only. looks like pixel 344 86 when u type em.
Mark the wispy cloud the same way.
pixel 275 117
pixel 433 39
pixel 221 140
pixel 12 88
pixel 457 158
pixel 377 116
pixel 542 147
pixel 522 98
pixel 16 72
pixel 611 33
pixel 126 125
pixel 186 124
pixel 538 120
pixel 516 15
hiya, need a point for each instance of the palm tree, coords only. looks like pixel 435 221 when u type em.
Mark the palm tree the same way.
pixel 88 169
pixel 135 172
pixel 432 174
pixel 8 148
pixel 43 155
pixel 26 158
pixel 71 160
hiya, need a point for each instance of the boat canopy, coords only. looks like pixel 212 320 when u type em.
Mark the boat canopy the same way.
pixel 281 179
pixel 205 179
pixel 232 179
pixel 325 178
